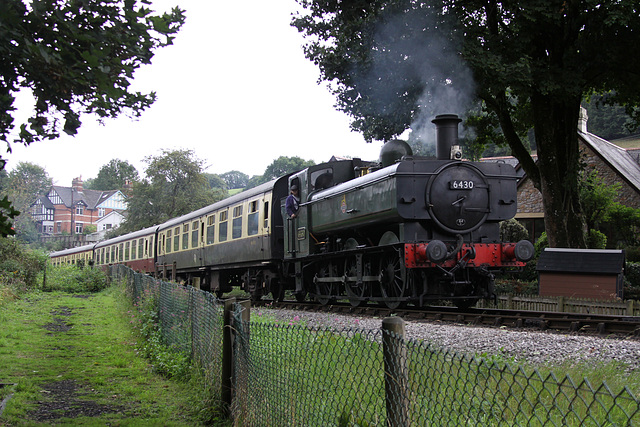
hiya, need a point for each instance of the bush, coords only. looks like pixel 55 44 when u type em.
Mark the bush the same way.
pixel 512 231
pixel 596 240
pixel 19 269
pixel 632 281
pixel 632 253
pixel 541 243
pixel 71 278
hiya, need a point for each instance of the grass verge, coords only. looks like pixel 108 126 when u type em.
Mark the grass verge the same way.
pixel 77 361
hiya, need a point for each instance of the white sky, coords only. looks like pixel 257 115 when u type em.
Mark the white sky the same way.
pixel 234 87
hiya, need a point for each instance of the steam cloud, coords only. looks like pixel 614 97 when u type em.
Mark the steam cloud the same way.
pixel 430 61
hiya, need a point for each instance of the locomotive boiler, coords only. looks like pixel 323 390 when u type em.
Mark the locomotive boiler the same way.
pixel 413 231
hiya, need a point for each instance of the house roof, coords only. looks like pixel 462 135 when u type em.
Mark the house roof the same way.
pixel 626 162
pixel 45 202
pixel 617 158
pixel 91 198
pixel 111 214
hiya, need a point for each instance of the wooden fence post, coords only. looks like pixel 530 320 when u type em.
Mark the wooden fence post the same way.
pixel 227 357
pixel 395 372
pixel 231 384
pixel 241 363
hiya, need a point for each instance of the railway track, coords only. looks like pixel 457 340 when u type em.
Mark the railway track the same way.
pixel 625 326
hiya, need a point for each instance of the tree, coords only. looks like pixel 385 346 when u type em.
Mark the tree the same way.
pixel 530 63
pixel 217 185
pixel 23 185
pixel 175 185
pixel 279 167
pixel 608 121
pixel 604 213
pixel 76 58
pixel 284 165
pixel 235 179
pixel 115 175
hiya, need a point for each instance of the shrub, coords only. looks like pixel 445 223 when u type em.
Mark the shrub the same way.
pixel 596 240
pixel 512 231
pixel 632 281
pixel 71 278
pixel 541 243
pixel 19 269
pixel 632 253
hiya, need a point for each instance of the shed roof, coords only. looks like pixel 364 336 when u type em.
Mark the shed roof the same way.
pixel 588 261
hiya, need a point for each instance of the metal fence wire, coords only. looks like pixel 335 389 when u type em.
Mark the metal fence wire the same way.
pixel 293 375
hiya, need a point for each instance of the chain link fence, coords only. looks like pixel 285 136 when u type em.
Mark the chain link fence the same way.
pixel 291 375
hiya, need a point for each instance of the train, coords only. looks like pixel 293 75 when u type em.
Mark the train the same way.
pixel 404 230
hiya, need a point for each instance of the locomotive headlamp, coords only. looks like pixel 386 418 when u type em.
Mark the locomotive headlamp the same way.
pixel 456 152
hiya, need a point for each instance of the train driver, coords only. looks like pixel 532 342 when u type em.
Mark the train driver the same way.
pixel 292 203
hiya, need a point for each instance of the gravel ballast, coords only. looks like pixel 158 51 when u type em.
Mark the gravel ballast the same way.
pixel 520 346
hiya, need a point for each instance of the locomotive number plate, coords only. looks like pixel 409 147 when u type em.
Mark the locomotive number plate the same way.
pixel 461 185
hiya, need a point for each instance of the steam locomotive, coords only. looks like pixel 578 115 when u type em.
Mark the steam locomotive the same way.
pixel 408 230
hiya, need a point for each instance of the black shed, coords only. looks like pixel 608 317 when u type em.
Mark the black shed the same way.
pixel 583 273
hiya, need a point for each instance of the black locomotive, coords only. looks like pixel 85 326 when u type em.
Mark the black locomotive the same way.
pixel 408 230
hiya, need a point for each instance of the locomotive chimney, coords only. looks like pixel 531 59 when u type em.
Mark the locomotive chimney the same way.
pixel 446 135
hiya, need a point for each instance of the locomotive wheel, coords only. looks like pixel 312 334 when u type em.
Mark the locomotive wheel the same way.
pixel 325 290
pixel 392 286
pixel 355 290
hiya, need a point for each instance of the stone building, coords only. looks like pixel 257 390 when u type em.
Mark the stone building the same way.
pixel 613 163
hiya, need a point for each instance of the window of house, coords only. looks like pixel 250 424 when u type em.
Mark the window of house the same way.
pixel 79 227
pixel 79 210
pixel 59 227
pixel 101 212
pixel 176 240
pixel 252 218
pixel 222 226
pixel 195 226
pixel 237 223
pixel 211 229
pixel 185 236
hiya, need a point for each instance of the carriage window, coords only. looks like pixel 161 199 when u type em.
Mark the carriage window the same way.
pixel 168 245
pixel 176 239
pixel 150 246
pixel 252 218
pixel 140 248
pixel 194 233
pixel 185 236
pixel 237 222
pixel 211 229
pixel 222 227
pixel 126 251
pixel 120 251
pixel 266 214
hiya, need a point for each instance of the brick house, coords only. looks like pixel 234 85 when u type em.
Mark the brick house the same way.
pixel 613 163
pixel 68 210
